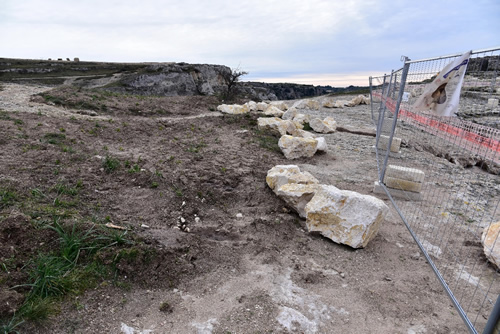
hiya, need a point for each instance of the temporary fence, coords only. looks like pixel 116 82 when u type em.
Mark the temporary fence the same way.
pixel 441 173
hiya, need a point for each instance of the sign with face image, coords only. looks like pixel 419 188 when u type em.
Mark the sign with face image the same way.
pixel 442 95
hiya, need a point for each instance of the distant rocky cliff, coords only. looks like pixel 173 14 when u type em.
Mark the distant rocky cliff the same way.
pixel 162 79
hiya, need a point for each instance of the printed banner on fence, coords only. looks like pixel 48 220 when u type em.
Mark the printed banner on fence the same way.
pixel 442 95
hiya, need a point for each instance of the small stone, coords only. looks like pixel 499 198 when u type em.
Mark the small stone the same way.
pixel 415 256
pixel 342 275
pixel 239 215
pixel 144 226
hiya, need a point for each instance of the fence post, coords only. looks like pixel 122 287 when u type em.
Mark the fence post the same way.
pixel 406 67
pixel 371 99
pixel 493 324
pixel 381 116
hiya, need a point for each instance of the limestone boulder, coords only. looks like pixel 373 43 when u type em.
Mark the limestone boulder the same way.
pixel 273 111
pixel 302 134
pixel 290 114
pixel 341 103
pixel 262 106
pixel 327 126
pixel 297 195
pixel 346 217
pixel 251 105
pixel 296 147
pixel 322 146
pixel 330 122
pixel 307 104
pixel 302 118
pixel 328 103
pixel 491 244
pixel 298 125
pixel 287 174
pixel 280 105
pixel 360 99
pixel 233 109
pixel 275 126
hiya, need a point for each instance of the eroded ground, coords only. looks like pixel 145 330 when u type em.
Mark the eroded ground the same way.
pixel 214 251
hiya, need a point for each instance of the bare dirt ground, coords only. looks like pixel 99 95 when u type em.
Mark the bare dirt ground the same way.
pixel 243 262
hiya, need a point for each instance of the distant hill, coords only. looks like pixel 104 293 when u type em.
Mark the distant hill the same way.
pixel 163 79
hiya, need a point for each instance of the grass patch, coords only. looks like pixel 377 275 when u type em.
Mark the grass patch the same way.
pixel 54 138
pixel 267 141
pixel 110 164
pixel 7 198
pixel 73 267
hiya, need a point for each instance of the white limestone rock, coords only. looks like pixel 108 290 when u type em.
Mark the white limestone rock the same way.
pixel 303 134
pixel 322 146
pixel 273 111
pixel 360 99
pixel 307 104
pixel 274 125
pixel 296 147
pixel 340 103
pixel 280 105
pixel 491 245
pixel 302 118
pixel 297 195
pixel 327 126
pixel 346 217
pixel 233 109
pixel 330 122
pixel 262 106
pixel 251 105
pixel 328 103
pixel 284 174
pixel 290 114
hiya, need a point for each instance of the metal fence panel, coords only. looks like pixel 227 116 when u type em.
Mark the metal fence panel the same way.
pixel 447 205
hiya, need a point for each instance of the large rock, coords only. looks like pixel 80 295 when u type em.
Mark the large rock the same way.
pixel 360 99
pixel 284 174
pixel 290 114
pixel 297 195
pixel 251 105
pixel 296 147
pixel 327 126
pixel 174 79
pixel 346 217
pixel 491 245
pixel 262 106
pixel 328 103
pixel 275 125
pixel 307 104
pixel 233 109
pixel 280 105
pixel 302 118
pixel 340 103
pixel 273 111
pixel 302 133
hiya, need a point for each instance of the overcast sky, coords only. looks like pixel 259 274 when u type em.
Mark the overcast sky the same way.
pixel 336 42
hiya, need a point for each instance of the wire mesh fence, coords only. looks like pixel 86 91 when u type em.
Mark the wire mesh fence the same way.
pixel 442 175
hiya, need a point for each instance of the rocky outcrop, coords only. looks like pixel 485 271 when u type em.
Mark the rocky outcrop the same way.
pixel 175 79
